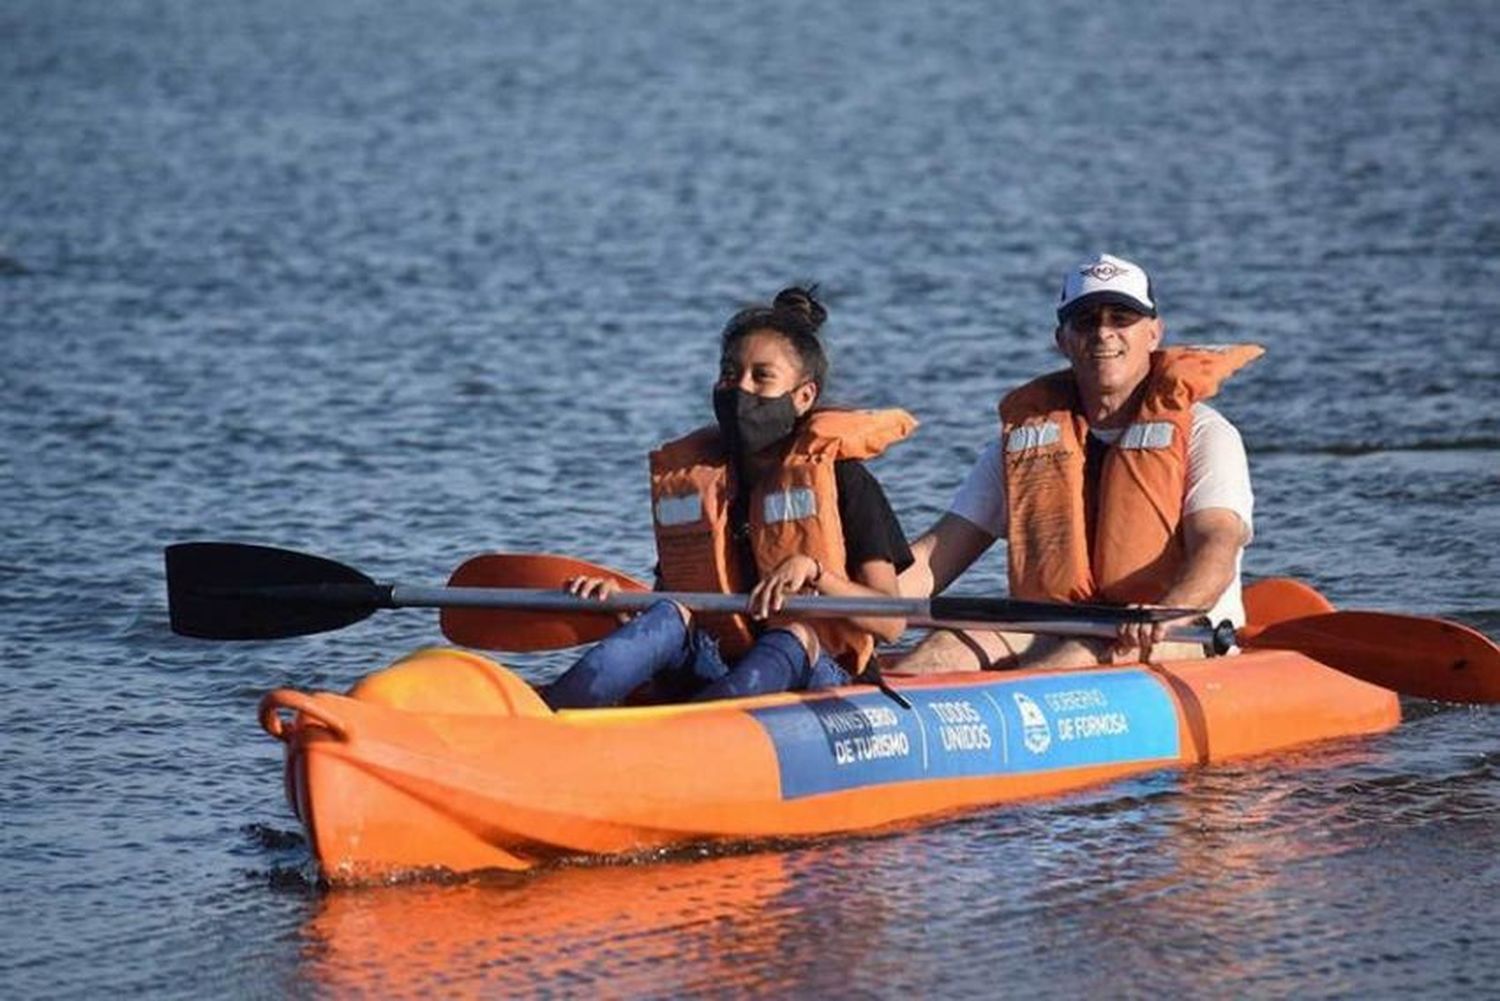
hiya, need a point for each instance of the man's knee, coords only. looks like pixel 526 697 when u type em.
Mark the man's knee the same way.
pixel 958 650
pixel 1064 651
pixel 1161 653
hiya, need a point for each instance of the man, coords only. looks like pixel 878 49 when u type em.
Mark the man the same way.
pixel 1111 482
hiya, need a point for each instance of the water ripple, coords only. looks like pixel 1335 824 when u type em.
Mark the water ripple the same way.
pixel 403 283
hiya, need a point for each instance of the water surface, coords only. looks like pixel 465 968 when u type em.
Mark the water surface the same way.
pixel 402 282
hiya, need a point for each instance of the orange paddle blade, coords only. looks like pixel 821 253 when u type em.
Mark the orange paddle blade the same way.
pixel 522 631
pixel 1426 658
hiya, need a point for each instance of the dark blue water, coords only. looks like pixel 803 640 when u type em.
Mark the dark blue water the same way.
pixel 402 282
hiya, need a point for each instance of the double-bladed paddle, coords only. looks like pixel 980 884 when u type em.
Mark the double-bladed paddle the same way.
pixel 230 590
pixel 219 590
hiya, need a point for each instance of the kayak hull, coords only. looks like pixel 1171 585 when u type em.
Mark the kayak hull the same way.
pixel 448 760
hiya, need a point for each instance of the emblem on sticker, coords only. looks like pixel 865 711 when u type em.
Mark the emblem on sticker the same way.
pixel 1037 734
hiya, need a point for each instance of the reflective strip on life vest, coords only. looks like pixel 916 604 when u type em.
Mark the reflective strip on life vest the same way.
pixel 1147 434
pixel 1032 436
pixel 684 509
pixel 790 505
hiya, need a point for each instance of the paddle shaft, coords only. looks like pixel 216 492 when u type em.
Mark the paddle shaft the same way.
pixel 920 612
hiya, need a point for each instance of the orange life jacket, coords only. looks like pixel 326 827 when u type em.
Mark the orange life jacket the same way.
pixel 794 511
pixel 1137 549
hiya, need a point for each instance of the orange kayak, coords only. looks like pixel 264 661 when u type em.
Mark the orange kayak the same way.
pixel 447 759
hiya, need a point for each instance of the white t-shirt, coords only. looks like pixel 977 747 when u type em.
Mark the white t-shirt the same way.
pixel 1218 476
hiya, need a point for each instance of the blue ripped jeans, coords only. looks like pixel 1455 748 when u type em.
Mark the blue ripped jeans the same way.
pixel 683 664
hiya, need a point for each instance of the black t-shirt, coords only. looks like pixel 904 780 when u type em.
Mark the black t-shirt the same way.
pixel 871 529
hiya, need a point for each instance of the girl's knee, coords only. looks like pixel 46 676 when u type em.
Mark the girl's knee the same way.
pixel 805 635
pixel 660 608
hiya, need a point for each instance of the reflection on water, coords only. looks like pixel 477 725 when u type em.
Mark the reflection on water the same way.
pixel 1263 876
pixel 610 929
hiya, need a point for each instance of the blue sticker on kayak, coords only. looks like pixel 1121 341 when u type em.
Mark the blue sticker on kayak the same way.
pixel 991 727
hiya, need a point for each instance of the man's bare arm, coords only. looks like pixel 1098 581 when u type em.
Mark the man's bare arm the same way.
pixel 942 553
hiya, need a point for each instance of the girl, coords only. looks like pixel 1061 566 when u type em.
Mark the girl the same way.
pixel 773 499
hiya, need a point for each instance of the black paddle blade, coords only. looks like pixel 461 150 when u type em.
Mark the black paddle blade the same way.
pixel 233 591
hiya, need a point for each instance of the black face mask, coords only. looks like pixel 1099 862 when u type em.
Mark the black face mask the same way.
pixel 750 423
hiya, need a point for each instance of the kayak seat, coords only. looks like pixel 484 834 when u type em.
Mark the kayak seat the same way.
pixel 447 680
pixel 1277 599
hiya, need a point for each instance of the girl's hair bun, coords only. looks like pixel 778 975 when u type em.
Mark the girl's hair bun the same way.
pixel 803 303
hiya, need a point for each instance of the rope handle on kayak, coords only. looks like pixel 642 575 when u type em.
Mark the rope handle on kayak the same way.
pixel 306 706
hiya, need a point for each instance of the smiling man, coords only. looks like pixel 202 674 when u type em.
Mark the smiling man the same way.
pixel 1111 481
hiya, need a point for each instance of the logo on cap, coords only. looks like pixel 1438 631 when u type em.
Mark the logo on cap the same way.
pixel 1103 271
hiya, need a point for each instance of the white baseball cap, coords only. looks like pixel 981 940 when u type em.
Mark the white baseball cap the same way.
pixel 1105 279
